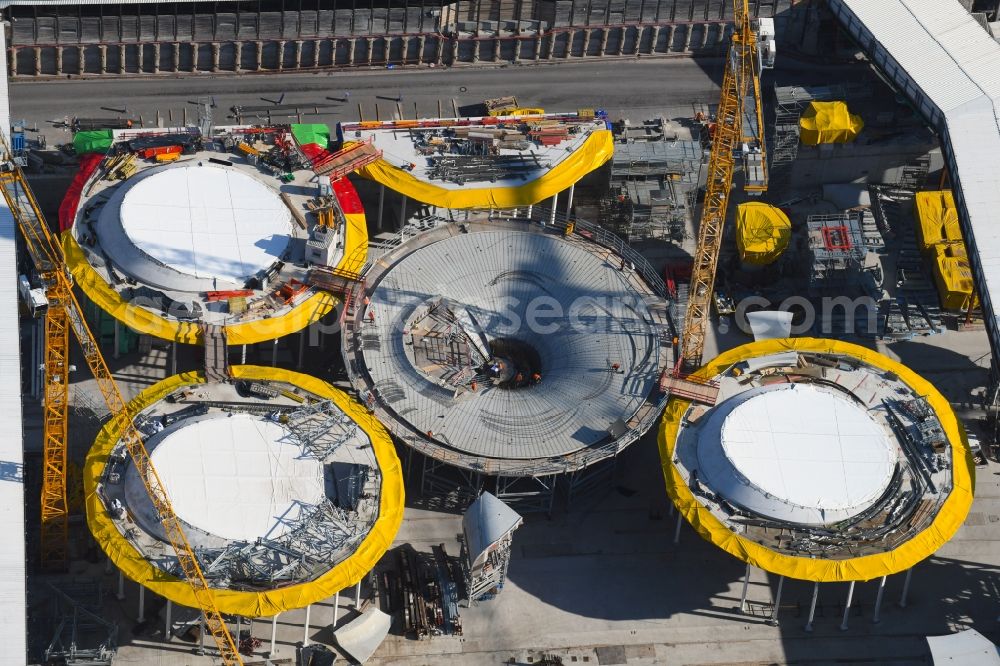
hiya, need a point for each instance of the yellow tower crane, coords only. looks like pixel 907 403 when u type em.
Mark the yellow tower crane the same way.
pixel 742 77
pixel 64 314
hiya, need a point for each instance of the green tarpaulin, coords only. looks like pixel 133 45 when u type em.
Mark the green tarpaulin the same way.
pixel 315 133
pixel 94 141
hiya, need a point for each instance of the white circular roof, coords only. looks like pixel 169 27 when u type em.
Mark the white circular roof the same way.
pixel 796 453
pixel 206 221
pixel 238 477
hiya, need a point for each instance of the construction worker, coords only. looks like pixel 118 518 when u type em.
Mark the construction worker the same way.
pixel 371 316
pixel 473 385
pixel 615 367
pixel 536 378
pixel 518 378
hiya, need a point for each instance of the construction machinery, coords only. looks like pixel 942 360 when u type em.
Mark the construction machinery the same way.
pixel 64 315
pixel 738 133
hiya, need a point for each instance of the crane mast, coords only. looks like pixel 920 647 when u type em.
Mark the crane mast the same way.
pixel 742 74
pixel 65 315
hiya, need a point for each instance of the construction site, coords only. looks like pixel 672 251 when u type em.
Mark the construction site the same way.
pixel 654 360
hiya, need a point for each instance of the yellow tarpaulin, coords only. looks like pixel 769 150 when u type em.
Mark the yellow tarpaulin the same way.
pixel 247 603
pixel 828 122
pixel 595 151
pixel 937 219
pixel 142 320
pixel 762 232
pixel 953 276
pixel 949 518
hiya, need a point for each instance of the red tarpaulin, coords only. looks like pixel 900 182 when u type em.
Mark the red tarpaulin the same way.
pixel 347 196
pixel 67 209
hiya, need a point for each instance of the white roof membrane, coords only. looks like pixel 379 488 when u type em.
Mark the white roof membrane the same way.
pixel 796 453
pixel 239 477
pixel 206 221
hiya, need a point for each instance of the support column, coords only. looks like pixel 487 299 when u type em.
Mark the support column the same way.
pixel 79 62
pixel 553 208
pixel 260 56
pixel 274 632
pixel 357 595
pixel 454 51
pixel 274 353
pixel 201 634
pixel 812 608
pixel 847 606
pixel 687 36
pixel 243 356
pixel 878 600
pixel 350 51
pixel 281 54
pixel 496 50
pixel 438 50
pixel 906 588
pixel 420 49
pixel 59 60
pixel 13 62
pixel 336 609
pixel 298 54
pixel 677 530
pixel 529 211
pixel 121 586
pixel 142 604
pixel 305 627
pixel 215 57
pixel 156 58
pixel 333 52
pixel 604 42
pixel 173 357
pixel 551 46
pixel 538 45
pixel 586 42
pixel 121 58
pixel 103 50
pixel 118 329
pixel 369 46
pixel 402 213
pixel 381 201
pixel 302 347
pixel 746 585
pixel 166 622
pixel 38 60
pixel 569 202
pixel 777 603
pixel 177 56
pixel 654 39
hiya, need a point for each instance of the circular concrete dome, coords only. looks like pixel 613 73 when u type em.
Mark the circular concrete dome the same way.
pixel 239 477
pixel 205 221
pixel 797 453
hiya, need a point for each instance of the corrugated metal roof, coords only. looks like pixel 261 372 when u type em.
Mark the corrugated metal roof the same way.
pixel 950 61
pixel 13 623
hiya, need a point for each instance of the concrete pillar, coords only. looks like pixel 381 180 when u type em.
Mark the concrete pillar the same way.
pixel 381 201
pixel 274 633
pixel 420 49
pixel 215 57
pixel 79 62
pixel 13 62
pixel 121 58
pixel 274 353
pixel 103 50
pixel 166 621
pixel 156 58
pixel 121 586
pixel 369 46
pixel 552 211
pixel 586 42
pixel 538 46
pixel 142 604
pixel 305 627
pixel 38 60
pixel 746 585
pixel 878 600
pixel 173 358
pixel 529 211
pixel 118 329
pixel 496 50
pixel 687 36
pixel 654 39
pixel 333 51
pixel 201 634
pixel 812 608
pixel 773 621
pixel 604 41
pixel 350 51
pixel 298 54
pixel 847 606
pixel 194 56
pixel 357 595
pixel 454 51
pixel 438 49
pixel 906 588
pixel 260 59
pixel 551 46
pixel 402 213
pixel 336 609
pixel 177 56
pixel 302 347
pixel 59 60
pixel 677 530
pixel 569 202
pixel 281 55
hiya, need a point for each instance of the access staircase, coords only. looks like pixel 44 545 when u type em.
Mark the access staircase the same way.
pixel 216 353
pixel 347 160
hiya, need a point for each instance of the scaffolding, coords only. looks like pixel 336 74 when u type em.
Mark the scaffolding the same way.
pixel 82 637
